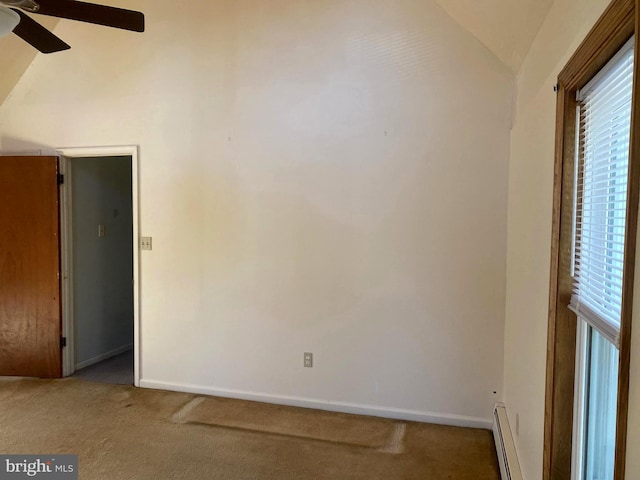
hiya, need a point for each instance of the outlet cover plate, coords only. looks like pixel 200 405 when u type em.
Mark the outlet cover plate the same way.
pixel 146 243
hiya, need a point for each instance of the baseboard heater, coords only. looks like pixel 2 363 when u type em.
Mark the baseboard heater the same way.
pixel 505 447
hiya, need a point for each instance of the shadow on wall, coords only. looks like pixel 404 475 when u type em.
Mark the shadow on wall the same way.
pixel 18 146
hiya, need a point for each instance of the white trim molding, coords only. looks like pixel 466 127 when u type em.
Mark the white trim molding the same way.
pixel 67 316
pixel 341 407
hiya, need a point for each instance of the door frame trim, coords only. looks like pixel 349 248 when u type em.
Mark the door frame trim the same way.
pixel 68 364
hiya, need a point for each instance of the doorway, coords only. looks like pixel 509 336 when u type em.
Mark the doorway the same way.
pixel 100 264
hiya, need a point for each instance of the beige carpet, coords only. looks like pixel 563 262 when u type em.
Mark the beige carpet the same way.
pixel 120 432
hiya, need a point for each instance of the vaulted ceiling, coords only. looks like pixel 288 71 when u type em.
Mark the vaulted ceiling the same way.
pixel 15 58
pixel 506 27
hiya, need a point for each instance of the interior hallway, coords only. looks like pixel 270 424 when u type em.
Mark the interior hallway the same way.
pixel 116 370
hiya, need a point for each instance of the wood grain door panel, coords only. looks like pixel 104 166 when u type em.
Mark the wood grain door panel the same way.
pixel 30 313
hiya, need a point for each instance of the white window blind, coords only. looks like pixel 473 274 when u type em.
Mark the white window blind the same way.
pixel 601 194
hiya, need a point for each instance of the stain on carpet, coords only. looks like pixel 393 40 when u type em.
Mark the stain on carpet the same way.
pixel 340 428
pixel 125 433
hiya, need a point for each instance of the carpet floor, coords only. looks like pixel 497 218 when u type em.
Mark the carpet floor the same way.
pixel 120 432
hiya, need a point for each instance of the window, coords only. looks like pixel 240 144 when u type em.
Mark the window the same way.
pixel 600 207
pixel 597 167
pixel 604 127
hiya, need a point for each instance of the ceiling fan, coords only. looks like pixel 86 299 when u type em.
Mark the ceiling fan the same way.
pixel 14 19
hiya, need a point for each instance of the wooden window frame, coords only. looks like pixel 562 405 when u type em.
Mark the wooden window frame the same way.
pixel 614 28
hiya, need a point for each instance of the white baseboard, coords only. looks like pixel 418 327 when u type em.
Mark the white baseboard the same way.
pixel 104 356
pixel 343 407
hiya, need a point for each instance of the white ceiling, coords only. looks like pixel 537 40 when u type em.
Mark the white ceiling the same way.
pixel 16 56
pixel 506 27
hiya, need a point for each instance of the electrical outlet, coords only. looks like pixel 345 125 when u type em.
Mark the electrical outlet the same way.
pixel 308 360
pixel 145 243
pixel 101 231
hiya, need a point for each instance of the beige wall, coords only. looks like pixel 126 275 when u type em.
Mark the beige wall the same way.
pixel 326 176
pixel 529 224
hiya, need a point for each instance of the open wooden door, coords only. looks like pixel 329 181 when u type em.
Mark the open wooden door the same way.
pixel 30 313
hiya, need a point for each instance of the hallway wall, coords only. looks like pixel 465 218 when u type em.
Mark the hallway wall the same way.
pixel 102 266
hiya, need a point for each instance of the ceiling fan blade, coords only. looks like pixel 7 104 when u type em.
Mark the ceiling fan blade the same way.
pixel 92 13
pixel 37 36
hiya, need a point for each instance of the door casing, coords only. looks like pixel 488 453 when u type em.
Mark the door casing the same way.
pixel 66 245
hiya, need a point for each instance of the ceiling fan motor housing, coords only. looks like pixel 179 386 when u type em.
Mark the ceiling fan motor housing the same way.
pixel 28 5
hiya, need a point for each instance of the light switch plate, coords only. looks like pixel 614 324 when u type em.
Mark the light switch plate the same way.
pixel 308 360
pixel 146 243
